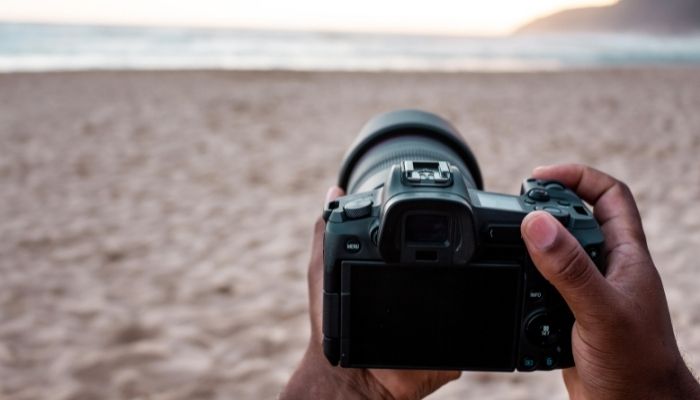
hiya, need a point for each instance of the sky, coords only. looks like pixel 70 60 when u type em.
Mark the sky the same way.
pixel 471 17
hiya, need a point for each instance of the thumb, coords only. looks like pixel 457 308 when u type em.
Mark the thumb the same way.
pixel 564 263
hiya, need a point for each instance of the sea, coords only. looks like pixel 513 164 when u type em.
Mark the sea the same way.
pixel 50 47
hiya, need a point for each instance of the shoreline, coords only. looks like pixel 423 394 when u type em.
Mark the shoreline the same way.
pixel 525 71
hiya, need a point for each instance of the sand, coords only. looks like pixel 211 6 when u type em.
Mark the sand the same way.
pixel 155 226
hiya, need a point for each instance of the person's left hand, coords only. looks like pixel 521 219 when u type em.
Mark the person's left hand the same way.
pixel 316 378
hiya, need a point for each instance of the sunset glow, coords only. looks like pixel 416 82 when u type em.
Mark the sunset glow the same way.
pixel 493 17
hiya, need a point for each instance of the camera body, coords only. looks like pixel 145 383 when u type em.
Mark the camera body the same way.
pixel 426 271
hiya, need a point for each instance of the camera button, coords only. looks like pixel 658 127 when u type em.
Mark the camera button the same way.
pixel 352 245
pixel 554 186
pixel 541 330
pixel 535 295
pixel 549 361
pixel 561 215
pixel 593 252
pixel 528 363
pixel 538 194
pixel 556 211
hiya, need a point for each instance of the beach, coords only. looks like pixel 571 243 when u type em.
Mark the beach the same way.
pixel 156 225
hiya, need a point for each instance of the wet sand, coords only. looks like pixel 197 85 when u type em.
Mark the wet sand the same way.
pixel 156 226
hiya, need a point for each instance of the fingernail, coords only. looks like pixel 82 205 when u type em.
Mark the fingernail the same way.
pixel 331 193
pixel 541 230
pixel 539 169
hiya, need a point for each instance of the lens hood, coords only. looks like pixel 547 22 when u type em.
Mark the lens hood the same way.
pixel 415 123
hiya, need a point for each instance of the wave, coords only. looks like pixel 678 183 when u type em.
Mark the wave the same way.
pixel 44 47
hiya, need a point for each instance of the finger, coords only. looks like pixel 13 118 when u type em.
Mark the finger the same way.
pixel 317 246
pixel 613 204
pixel 315 273
pixel 564 263
pixel 319 228
pixel 413 384
pixel 572 382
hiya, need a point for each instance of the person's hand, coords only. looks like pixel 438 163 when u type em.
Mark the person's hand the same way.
pixel 623 342
pixel 315 378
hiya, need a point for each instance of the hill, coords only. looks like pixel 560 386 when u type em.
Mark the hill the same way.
pixel 651 16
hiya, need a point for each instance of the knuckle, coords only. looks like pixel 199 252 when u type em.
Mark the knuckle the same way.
pixel 573 267
pixel 624 190
pixel 623 187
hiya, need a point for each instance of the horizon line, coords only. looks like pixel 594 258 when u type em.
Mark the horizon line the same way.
pixel 321 30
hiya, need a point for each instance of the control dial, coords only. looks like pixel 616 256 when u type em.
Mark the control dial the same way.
pixel 541 330
pixel 359 208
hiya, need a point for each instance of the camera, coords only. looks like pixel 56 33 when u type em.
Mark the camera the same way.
pixel 424 269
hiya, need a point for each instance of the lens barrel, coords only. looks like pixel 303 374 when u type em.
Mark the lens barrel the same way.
pixel 402 135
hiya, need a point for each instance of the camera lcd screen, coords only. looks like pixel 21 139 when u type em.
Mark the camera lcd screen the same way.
pixel 499 201
pixel 432 317
pixel 426 228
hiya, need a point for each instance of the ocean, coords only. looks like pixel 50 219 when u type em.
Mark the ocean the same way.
pixel 44 47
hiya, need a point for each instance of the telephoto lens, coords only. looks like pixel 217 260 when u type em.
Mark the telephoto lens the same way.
pixel 398 136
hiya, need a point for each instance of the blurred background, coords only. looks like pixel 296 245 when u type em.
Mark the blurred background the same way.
pixel 364 35
pixel 162 164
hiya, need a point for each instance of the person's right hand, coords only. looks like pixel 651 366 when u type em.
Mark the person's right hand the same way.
pixel 623 341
